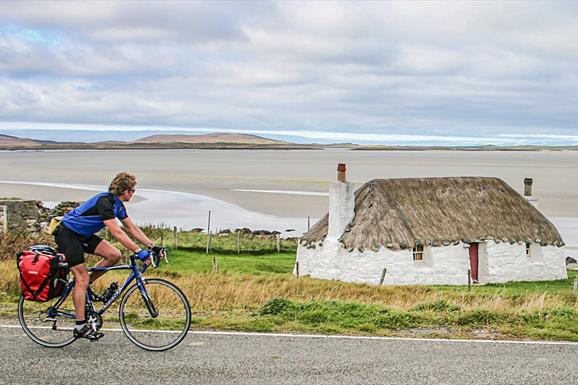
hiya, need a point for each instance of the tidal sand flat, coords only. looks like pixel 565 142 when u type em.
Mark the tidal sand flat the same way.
pixel 257 180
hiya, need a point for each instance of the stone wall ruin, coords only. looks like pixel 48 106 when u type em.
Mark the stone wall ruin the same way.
pixel 29 216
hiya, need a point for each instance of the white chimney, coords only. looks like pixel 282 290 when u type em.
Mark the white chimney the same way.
pixel 341 204
pixel 528 193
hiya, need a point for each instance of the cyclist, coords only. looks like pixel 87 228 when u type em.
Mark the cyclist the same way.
pixel 76 235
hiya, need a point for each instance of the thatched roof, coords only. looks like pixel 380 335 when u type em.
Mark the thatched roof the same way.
pixel 402 213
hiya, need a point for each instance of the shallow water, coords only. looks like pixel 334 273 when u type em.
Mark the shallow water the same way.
pixel 275 189
pixel 223 174
pixel 186 210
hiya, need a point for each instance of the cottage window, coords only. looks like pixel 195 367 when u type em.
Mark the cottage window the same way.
pixel 418 253
pixel 528 250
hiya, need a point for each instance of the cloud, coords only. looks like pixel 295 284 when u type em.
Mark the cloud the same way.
pixel 445 68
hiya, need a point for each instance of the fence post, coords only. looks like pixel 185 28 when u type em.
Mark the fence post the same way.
pixel 469 280
pixel 308 222
pixel 209 242
pixel 383 276
pixel 278 243
pixel 238 242
pixel 575 286
pixel 175 236
pixel 209 233
pixel 215 264
pixel 3 219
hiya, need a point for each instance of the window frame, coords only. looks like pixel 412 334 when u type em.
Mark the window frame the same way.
pixel 418 250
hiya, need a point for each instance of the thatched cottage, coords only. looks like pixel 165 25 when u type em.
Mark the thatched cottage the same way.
pixel 431 231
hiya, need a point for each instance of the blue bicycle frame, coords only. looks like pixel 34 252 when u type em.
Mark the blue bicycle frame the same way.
pixel 135 274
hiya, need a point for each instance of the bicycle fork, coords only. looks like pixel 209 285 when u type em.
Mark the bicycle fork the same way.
pixel 148 302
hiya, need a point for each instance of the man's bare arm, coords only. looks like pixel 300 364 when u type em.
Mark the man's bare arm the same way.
pixel 136 232
pixel 120 235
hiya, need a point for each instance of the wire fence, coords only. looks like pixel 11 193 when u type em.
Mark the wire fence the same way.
pixel 238 241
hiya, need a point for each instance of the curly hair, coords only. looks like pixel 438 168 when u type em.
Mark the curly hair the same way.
pixel 122 181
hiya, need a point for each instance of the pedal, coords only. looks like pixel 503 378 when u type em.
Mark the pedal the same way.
pixel 97 336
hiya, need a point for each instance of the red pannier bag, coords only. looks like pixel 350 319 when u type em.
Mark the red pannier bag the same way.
pixel 41 276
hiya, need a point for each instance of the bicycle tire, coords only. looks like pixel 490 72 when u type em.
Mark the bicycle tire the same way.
pixel 33 317
pixel 164 331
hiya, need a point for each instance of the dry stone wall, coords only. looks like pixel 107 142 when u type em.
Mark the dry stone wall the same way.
pixel 18 215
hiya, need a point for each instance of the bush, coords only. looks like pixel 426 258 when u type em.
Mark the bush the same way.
pixel 276 306
pixel 11 243
pixel 438 306
pixel 344 315
pixel 396 320
pixel 480 317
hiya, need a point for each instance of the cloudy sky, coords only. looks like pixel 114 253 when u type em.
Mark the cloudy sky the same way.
pixel 405 73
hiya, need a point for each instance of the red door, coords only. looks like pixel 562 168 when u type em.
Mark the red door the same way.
pixel 474 261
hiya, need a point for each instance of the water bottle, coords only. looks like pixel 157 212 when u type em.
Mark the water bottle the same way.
pixel 109 292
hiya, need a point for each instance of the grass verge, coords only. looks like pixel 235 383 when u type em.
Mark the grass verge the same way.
pixel 258 293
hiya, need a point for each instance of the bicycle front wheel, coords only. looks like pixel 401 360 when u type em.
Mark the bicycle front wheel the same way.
pixel 156 318
pixel 46 325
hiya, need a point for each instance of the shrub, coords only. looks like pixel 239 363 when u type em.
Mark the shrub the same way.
pixel 11 243
pixel 437 306
pixel 276 306
pixel 346 315
pixel 480 317
pixel 396 320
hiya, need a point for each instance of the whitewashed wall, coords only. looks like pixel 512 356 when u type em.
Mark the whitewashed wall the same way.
pixel 503 262
pixel 441 265
pixel 446 265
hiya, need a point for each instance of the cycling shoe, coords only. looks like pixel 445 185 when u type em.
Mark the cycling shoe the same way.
pixel 88 333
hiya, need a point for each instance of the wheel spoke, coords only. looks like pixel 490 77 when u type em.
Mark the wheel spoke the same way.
pixel 167 328
pixel 44 329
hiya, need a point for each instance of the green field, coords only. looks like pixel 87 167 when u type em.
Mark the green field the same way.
pixel 255 291
pixel 184 262
pixel 535 310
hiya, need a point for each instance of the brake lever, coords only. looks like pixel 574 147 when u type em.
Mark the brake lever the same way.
pixel 153 262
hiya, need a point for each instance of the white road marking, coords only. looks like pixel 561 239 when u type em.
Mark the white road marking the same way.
pixel 337 337
pixel 104 329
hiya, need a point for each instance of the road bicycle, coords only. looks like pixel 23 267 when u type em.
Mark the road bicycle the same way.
pixel 153 313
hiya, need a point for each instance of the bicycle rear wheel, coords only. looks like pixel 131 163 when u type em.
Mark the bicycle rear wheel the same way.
pixel 157 319
pixel 44 328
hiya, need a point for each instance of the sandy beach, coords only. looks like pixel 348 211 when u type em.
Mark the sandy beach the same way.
pixel 284 184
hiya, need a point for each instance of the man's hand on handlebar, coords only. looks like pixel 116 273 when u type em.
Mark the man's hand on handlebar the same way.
pixel 142 254
pixel 158 250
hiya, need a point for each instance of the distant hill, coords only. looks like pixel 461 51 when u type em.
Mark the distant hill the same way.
pixel 209 139
pixel 13 141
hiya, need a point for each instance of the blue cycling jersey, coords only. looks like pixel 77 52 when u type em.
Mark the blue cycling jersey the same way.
pixel 89 217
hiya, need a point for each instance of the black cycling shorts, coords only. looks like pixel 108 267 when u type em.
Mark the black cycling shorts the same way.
pixel 74 245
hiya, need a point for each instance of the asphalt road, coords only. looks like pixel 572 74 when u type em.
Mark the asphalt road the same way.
pixel 215 358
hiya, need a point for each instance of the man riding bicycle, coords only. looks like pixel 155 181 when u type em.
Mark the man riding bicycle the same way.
pixel 76 235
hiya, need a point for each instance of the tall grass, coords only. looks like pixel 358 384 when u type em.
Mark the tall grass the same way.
pixel 256 291
pixel 11 243
pixel 221 292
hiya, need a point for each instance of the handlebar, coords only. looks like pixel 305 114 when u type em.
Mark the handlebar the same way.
pixel 155 257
